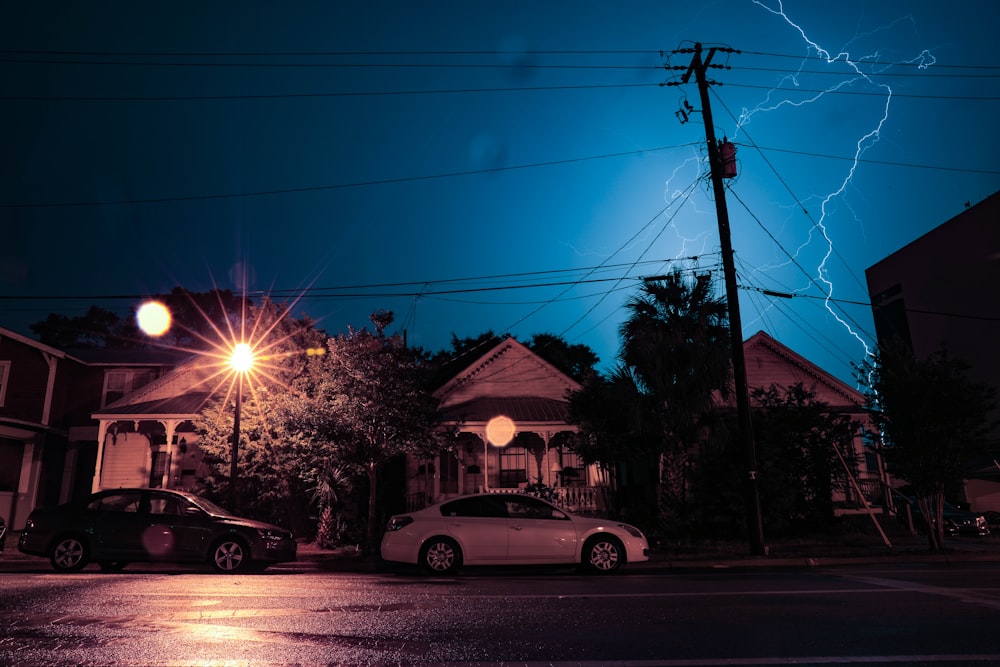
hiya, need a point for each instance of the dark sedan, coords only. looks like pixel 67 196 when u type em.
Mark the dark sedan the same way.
pixel 116 527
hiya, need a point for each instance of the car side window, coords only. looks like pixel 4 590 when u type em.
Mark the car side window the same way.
pixel 480 506
pixel 529 508
pixel 164 505
pixel 119 502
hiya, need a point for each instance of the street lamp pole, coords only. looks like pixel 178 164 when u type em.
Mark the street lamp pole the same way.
pixel 241 361
pixel 233 470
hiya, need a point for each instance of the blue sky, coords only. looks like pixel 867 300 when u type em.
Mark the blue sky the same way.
pixel 510 166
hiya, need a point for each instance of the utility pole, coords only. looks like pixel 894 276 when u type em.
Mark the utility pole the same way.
pixel 698 66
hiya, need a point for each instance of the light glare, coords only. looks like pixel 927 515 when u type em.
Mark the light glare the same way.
pixel 500 431
pixel 242 358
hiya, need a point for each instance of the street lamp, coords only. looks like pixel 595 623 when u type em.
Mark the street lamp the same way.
pixel 241 361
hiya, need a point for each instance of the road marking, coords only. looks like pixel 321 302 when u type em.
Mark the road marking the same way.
pixel 966 595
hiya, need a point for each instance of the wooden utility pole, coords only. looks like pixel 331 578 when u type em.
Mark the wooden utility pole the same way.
pixel 698 66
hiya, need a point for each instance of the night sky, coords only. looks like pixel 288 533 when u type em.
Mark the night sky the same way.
pixel 511 166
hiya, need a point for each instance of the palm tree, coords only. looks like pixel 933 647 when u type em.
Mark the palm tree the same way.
pixel 676 343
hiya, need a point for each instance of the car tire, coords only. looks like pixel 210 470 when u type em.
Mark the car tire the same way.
pixel 112 565
pixel 230 556
pixel 440 556
pixel 69 553
pixel 603 554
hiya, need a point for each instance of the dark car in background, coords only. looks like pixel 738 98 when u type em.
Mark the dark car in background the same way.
pixel 957 522
pixel 116 527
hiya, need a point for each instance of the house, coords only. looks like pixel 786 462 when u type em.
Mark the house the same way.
pixel 48 440
pixel 147 438
pixel 769 363
pixel 510 410
pixel 942 288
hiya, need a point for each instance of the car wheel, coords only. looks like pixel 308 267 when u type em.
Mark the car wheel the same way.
pixel 603 554
pixel 69 554
pixel 440 555
pixel 230 556
pixel 112 565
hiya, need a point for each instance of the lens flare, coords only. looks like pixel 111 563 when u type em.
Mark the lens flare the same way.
pixel 153 318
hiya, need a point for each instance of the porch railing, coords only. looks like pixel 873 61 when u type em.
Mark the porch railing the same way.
pixel 578 499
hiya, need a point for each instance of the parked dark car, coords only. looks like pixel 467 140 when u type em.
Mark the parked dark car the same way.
pixel 116 527
pixel 956 521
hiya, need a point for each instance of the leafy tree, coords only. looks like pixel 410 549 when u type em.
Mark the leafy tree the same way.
pixel 798 440
pixel 676 345
pixel 98 328
pixel 619 430
pixel 931 418
pixel 577 361
pixel 198 321
pixel 366 400
pixel 446 364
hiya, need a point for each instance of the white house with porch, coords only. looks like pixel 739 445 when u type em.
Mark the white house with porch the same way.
pixel 509 409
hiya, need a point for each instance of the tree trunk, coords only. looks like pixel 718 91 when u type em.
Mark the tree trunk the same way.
pixel 372 494
pixel 931 508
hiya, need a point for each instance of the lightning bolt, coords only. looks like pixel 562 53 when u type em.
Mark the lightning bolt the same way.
pixel 855 74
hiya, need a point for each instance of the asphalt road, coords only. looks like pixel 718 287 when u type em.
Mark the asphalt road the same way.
pixel 294 614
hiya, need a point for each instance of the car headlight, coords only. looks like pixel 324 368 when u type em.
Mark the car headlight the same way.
pixel 271 534
pixel 631 530
pixel 398 523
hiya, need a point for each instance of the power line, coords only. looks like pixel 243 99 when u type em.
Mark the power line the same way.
pixel 339 186
pixel 313 292
pixel 278 96
pixel 918 62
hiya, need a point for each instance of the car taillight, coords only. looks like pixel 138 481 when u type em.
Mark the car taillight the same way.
pixel 398 523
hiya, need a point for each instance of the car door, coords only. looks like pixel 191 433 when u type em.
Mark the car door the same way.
pixel 118 522
pixel 176 529
pixel 538 532
pixel 479 523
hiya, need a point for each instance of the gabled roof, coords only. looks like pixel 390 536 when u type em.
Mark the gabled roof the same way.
pixel 769 362
pixel 508 380
pixel 178 394
pixel 509 369
pixel 24 340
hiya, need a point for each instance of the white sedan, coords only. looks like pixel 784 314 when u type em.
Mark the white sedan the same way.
pixel 508 529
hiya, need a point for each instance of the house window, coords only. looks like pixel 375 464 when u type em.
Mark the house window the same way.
pixel 513 467
pixel 117 383
pixel 4 374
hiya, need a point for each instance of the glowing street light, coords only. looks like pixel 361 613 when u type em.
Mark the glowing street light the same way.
pixel 241 361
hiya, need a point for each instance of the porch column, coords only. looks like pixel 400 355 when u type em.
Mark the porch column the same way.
pixel 171 427
pixel 102 435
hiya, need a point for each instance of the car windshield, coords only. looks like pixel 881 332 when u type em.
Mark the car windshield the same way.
pixel 209 506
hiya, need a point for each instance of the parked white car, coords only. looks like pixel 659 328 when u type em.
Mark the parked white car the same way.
pixel 508 529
